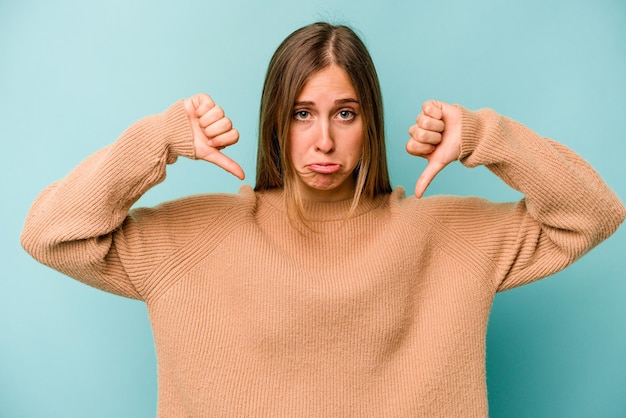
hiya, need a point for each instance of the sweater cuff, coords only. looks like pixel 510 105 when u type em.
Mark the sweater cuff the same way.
pixel 472 130
pixel 176 128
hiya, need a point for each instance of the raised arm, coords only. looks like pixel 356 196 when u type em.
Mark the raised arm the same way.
pixel 567 208
pixel 80 225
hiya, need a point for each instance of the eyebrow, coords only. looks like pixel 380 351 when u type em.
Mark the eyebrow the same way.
pixel 337 102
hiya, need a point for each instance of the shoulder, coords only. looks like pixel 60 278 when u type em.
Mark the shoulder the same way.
pixel 201 209
pixel 448 209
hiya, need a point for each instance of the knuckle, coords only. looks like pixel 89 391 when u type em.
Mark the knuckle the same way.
pixel 208 100
pixel 412 148
pixel 228 124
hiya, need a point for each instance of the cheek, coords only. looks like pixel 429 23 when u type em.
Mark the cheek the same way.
pixel 356 142
pixel 295 143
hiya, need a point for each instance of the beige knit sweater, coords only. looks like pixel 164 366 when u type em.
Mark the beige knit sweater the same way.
pixel 382 315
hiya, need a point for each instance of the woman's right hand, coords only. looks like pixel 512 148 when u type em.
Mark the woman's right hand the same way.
pixel 212 131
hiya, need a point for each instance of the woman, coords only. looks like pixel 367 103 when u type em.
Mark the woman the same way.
pixel 322 292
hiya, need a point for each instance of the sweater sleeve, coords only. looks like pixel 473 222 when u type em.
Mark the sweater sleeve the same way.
pixel 71 225
pixel 567 209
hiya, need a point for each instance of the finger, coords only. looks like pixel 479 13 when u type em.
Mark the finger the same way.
pixel 202 103
pixel 419 149
pixel 224 140
pixel 223 161
pixel 432 169
pixel 429 123
pixel 211 116
pixel 217 128
pixel 433 109
pixel 424 136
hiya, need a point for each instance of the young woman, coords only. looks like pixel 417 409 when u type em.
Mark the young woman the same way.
pixel 322 292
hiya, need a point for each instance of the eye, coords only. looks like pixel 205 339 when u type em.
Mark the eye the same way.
pixel 346 114
pixel 301 114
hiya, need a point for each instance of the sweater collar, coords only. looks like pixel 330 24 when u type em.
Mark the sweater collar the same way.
pixel 321 211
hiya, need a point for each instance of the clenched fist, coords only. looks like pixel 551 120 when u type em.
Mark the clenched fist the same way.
pixel 212 132
pixel 435 136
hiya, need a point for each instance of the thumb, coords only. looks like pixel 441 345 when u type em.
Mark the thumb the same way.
pixel 222 160
pixel 432 169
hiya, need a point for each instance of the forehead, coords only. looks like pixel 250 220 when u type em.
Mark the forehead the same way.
pixel 332 82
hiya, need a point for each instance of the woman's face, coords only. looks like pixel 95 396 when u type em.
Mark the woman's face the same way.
pixel 326 136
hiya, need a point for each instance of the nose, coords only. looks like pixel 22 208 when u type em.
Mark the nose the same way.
pixel 325 142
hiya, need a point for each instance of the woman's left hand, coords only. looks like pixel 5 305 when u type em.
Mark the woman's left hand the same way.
pixel 435 136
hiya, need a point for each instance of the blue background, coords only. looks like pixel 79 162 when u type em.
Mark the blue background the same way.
pixel 75 74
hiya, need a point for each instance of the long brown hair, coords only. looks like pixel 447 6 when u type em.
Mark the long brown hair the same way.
pixel 303 53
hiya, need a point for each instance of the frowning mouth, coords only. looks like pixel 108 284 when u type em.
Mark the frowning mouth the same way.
pixel 324 168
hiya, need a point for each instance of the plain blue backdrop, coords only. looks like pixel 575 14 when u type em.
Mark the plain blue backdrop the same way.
pixel 74 74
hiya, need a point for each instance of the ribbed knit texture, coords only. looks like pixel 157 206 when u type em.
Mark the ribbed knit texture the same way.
pixel 380 315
